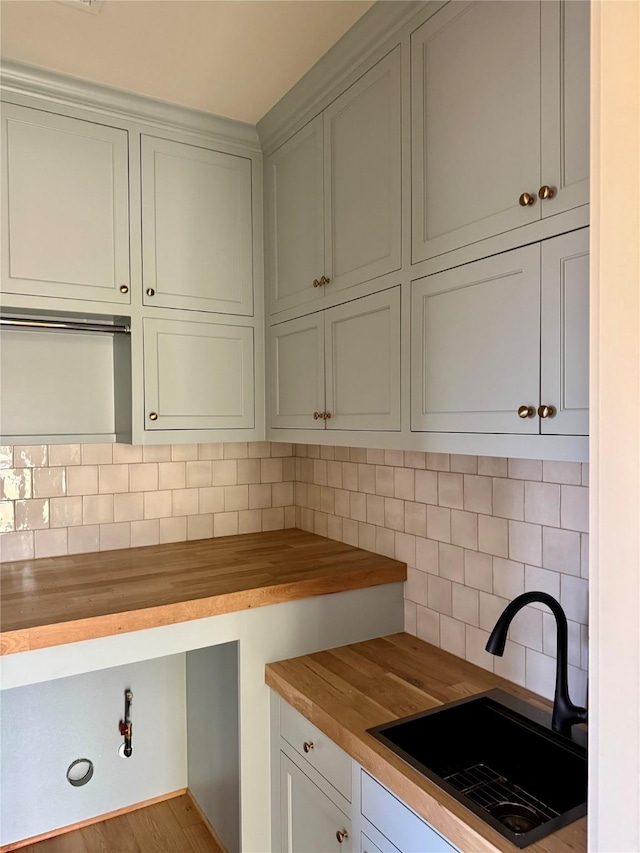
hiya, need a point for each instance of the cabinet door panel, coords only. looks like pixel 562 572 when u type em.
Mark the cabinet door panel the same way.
pixel 297 372
pixel 196 226
pixel 476 123
pixel 565 333
pixel 475 344
pixel 295 225
pixel 65 229
pixel 565 103
pixel 309 819
pixel 198 375
pixel 362 177
pixel 362 346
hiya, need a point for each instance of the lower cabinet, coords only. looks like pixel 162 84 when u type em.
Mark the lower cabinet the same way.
pixel 323 801
pixel 339 368
pixel 198 376
pixel 502 345
pixel 310 821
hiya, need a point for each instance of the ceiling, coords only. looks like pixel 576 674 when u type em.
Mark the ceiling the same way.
pixel 234 58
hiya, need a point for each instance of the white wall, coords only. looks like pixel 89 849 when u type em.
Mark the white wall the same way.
pixel 44 727
pixel 614 802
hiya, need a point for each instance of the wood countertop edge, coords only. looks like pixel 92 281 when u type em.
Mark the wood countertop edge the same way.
pixel 447 816
pixel 111 624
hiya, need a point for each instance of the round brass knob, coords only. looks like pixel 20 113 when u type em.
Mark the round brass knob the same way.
pixel 325 280
pixel 341 834
pixel 326 415
pixel 546 192
pixel 317 283
pixel 317 415
pixel 546 411
pixel 153 416
pixel 124 288
pixel 150 291
pixel 526 199
pixel 526 412
pixel 308 745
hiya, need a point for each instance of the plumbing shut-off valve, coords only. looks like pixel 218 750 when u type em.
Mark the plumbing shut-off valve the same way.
pixel 126 726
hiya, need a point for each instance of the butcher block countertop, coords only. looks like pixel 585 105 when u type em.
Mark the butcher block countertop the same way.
pixel 51 601
pixel 347 690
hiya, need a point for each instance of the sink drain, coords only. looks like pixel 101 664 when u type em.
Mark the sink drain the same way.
pixel 516 817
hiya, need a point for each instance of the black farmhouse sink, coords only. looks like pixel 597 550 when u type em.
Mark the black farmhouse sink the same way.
pixel 499 757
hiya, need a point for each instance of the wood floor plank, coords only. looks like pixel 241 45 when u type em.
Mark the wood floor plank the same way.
pixel 157 831
pixel 110 836
pixel 184 811
pixel 201 839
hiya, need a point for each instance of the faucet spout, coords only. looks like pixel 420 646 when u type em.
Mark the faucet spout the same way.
pixel 565 713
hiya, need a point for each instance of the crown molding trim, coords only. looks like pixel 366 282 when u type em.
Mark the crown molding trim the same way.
pixel 22 79
pixel 376 27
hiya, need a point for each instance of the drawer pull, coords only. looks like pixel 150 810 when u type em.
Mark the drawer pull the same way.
pixel 124 288
pixel 545 192
pixel 150 291
pixel 308 745
pixel 153 416
pixel 546 411
pixel 526 412
pixel 341 834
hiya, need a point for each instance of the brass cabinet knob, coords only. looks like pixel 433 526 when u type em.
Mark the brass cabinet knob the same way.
pixel 341 834
pixel 546 192
pixel 526 412
pixel 153 416
pixel 320 282
pixel 316 283
pixel 326 415
pixel 308 745
pixel 526 199
pixel 124 288
pixel 150 291
pixel 325 280
pixel 546 411
pixel 317 415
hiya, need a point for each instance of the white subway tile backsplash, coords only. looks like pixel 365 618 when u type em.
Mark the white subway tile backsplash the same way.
pixel 475 642
pixel 525 542
pixel 464 529
pixel 428 625
pixel 64 454
pixel 32 514
pixel 561 550
pixel 574 597
pixel 30 456
pixel 574 508
pixel 83 540
pixel 16 483
pixel 569 473
pixel 452 635
pixel 156 453
pixel 6 456
pixel 478 570
pixel 385 483
pixel 450 490
pixel 16 546
pixel 171 475
pixel 542 503
pixel 466 605
pixel 439 593
pixel 97 509
pixel 451 562
pixel 426 487
pixel 7 516
pixel 508 499
pixel 512 664
pixel 113 478
pixel 416 586
pixel 427 555
pixel 463 464
pixel 415 518
pixel 525 469
pixel 541 580
pixel 493 536
pixel 404 483
pixel 439 523
pixel 492 466
pixel 98 454
pixel 143 476
pixel 508 578
pixel 49 482
pixel 438 461
pixel 477 494
pixel 50 543
pixel 145 533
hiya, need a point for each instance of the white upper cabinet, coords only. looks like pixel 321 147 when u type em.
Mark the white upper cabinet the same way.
pixel 196 228
pixel 339 368
pixel 295 218
pixel 502 345
pixel 297 373
pixel 500 97
pixel 362 358
pixel 565 104
pixel 333 194
pixel 65 207
pixel 475 342
pixel 565 334
pixel 198 376
pixel 362 155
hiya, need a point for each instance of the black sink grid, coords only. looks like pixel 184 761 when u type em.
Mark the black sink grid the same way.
pixel 499 757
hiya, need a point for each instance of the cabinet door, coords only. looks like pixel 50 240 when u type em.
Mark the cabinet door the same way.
pixel 65 207
pixel 297 373
pixel 475 344
pixel 309 819
pixel 565 333
pixel 362 353
pixel 196 228
pixel 565 103
pixel 198 375
pixel 362 145
pixel 295 229
pixel 476 123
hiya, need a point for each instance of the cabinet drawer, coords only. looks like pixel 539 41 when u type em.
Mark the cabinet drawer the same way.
pixel 397 822
pixel 321 753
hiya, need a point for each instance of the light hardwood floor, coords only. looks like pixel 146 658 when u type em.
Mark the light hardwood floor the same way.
pixel 173 826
